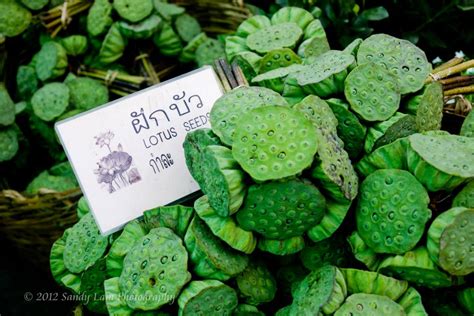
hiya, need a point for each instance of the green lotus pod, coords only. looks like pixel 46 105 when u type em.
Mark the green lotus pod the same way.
pixel 72 282
pixel 400 57
pixel 289 276
pixel 292 92
pixel 207 297
pixel 235 45
pixel 411 303
pixel 141 30
pixel 450 241
pixel 392 211
pixel 465 197
pixel 26 81
pixel 362 252
pixel 249 63
pixel 69 114
pixel 332 251
pixel 267 149
pixel 52 183
pixel 188 54
pixel 293 14
pixel 284 311
pixel 187 27
pixel 175 217
pixel 82 207
pixel 247 310
pixel 275 79
pixel 281 247
pixel 252 25
pixel 209 51
pixel 194 145
pixel 14 18
pixel 75 45
pixel 378 130
pixel 133 10
pixel 114 299
pixel 372 92
pixel 428 107
pixel 49 139
pixel 369 304
pixel 441 162
pixel 113 45
pixel 466 299
pixel 87 93
pixel 9 145
pixel 228 109
pixel 442 303
pixel 92 287
pixel 281 210
pixel 283 35
pixel 314 30
pixel 335 214
pixel 99 18
pixel 256 284
pixel 210 256
pixel 35 4
pixel 155 267
pixel 56 260
pixel 313 48
pixel 168 10
pixel 416 267
pixel 360 281
pixel 467 128
pixel 225 227
pixel 131 233
pixel 21 107
pixel 403 127
pixel 63 169
pixel 50 101
pixel 353 47
pixel 278 58
pixel 323 290
pixel 326 74
pixel 349 128
pixel 51 61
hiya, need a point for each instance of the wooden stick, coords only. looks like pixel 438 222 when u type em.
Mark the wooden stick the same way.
pixel 224 80
pixel 449 63
pixel 461 90
pixel 457 79
pixel 228 73
pixel 451 71
pixel 239 75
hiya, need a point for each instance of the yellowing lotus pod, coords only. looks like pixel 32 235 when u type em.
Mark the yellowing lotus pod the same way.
pixel 467 128
pixel 465 197
pixel 51 61
pixel 369 304
pixel 362 252
pixel 252 25
pixel 466 299
pixel 450 241
pixel 331 251
pixel 378 130
pixel 14 18
pixel 114 299
pixel 99 17
pixel 133 10
pixel 411 303
pixel 256 284
pixel 332 219
pixel 281 247
pixel 174 217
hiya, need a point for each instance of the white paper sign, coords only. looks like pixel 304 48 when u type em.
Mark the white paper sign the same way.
pixel 127 155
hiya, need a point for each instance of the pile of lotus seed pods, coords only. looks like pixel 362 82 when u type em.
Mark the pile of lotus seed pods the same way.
pixel 321 185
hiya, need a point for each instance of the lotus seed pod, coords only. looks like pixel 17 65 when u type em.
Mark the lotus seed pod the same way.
pixel 131 233
pixel 114 298
pixel 441 162
pixel 450 241
pixel 314 30
pixel 378 130
pixel 281 247
pixel 428 107
pixel 353 47
pixel 403 127
pixel 349 128
pixel 35 4
pixel 92 287
pixel 392 211
pixel 235 45
pixel 362 252
pixel 155 267
pixel 467 128
pixel 210 256
pixel 26 82
pixel 175 217
pixel 326 74
pixel 209 51
pixel 72 282
pixel 225 227
pixel 335 214
pixel 289 276
pixel 360 281
pixel 51 61
pixel 206 298
pixel 465 198
pixel 267 149
pixel 84 245
pixel 416 267
pixel 331 251
pixel 466 299
pixel 229 108
pixel 75 45
pixel 252 25
pixel 293 14
pixel 82 208
pixel 168 11
pixel 323 290
pixel 247 310
pixel 281 210
pixel 292 92
pixel 369 304
pixel 87 93
pixel 256 284
pixel 113 45
pixel 21 107
pixel 99 17
pixel 313 48
pixel 411 303
pixel 188 54
pixel 56 260
pixel 50 101
pixel 284 311
pixel 278 58
pixel 187 27
pixel 372 92
pixel 52 183
pixel 142 30
pixel 283 35
pixel 400 57
pixel 249 62
pixel 14 18
pixel 275 79
pixel 194 145
pixel 8 143
pixel 133 10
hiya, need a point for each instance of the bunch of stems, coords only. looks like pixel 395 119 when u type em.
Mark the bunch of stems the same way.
pixel 59 17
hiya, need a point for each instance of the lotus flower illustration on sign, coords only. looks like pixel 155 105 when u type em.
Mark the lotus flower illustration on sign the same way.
pixel 116 169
